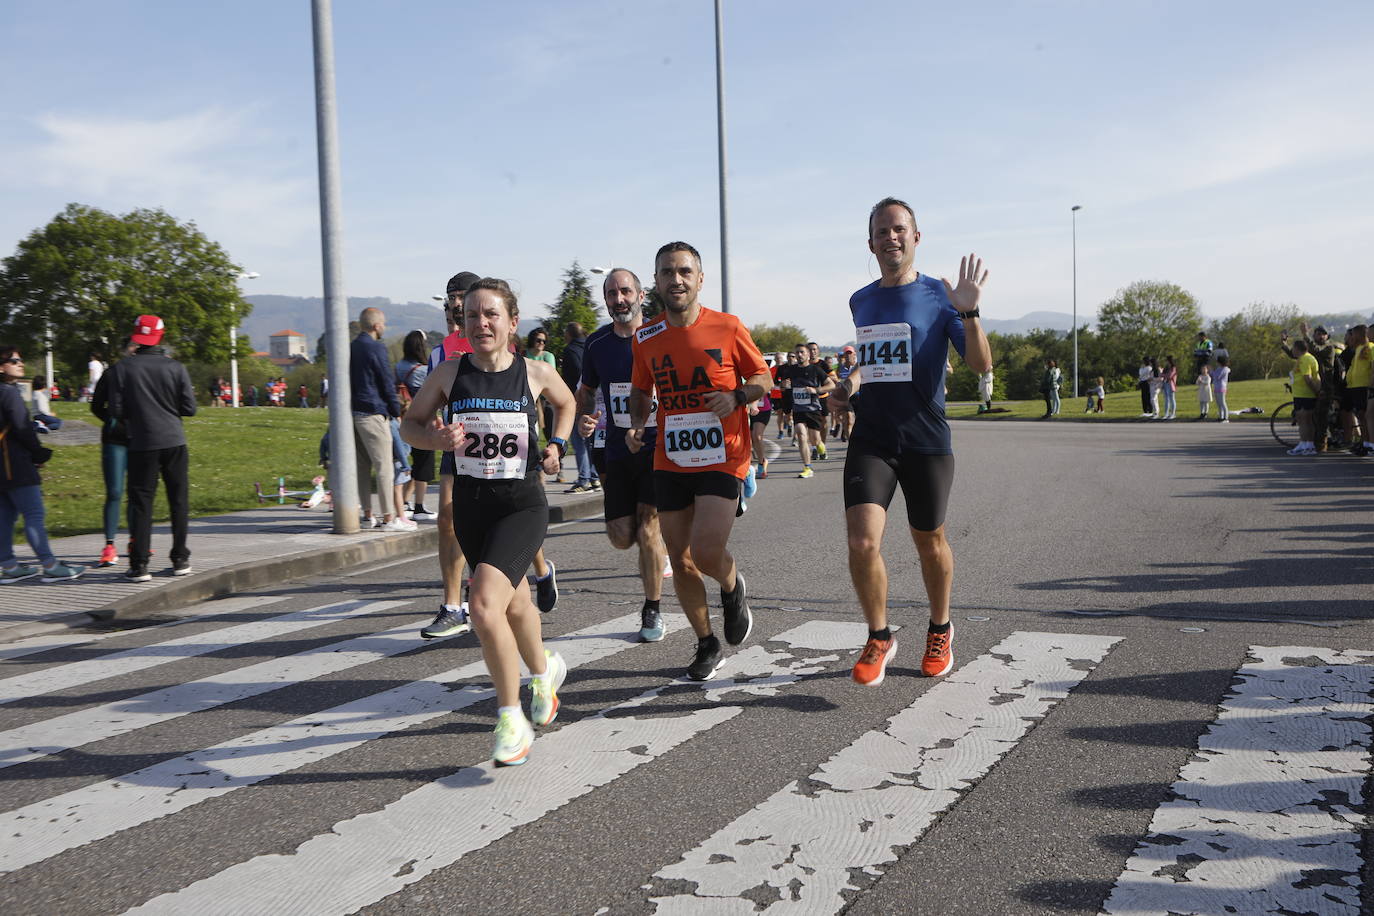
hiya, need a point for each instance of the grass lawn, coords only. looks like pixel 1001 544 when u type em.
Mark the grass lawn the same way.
pixel 1264 394
pixel 230 450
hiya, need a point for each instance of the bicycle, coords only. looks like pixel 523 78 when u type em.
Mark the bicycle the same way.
pixel 1284 425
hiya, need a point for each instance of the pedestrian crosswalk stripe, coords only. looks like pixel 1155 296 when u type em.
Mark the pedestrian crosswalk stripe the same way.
pixel 881 793
pixel 96 723
pixel 52 826
pixel 74 674
pixel 1267 818
pixel 72 639
pixel 368 857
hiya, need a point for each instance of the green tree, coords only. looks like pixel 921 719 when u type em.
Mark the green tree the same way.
pixel 1148 318
pixel 653 304
pixel 575 303
pixel 774 338
pixel 90 274
pixel 1252 338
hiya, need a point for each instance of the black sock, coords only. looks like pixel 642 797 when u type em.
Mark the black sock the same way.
pixel 109 543
pixel 650 604
pixel 939 627
pixel 708 638
pixel 884 634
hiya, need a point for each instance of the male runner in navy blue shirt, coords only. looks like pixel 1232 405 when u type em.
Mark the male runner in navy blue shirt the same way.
pixel 905 322
pixel 628 483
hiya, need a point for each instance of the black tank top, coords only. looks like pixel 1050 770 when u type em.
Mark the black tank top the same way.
pixel 501 441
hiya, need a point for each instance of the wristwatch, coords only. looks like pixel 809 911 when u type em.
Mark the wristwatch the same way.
pixel 561 445
pixel 973 313
pixel 741 396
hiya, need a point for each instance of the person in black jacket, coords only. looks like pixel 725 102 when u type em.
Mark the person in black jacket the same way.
pixel 149 393
pixel 114 460
pixel 571 370
pixel 21 492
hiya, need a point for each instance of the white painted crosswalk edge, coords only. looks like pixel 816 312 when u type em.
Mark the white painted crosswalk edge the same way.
pixel 44 829
pixel 804 843
pixel 96 723
pixel 115 664
pixel 1265 819
pixel 366 858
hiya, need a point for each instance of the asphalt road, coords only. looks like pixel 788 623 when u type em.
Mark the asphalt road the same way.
pixel 1161 703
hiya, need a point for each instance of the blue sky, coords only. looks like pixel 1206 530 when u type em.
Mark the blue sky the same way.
pixel 1223 146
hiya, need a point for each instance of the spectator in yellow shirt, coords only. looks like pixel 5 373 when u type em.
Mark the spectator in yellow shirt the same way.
pixel 1307 384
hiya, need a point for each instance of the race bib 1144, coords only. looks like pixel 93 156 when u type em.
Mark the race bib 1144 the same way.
pixel 885 352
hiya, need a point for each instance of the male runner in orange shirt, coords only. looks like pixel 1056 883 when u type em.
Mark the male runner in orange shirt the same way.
pixel 706 369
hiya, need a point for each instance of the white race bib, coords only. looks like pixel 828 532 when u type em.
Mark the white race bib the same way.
pixel 693 440
pixel 885 352
pixel 495 446
pixel 620 406
pixel 803 400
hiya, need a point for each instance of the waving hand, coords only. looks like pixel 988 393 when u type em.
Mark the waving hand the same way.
pixel 972 276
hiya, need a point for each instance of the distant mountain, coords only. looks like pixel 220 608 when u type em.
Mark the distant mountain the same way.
pixel 1045 321
pixel 306 314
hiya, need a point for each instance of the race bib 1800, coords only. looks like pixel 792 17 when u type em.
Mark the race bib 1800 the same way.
pixel 620 406
pixel 495 446
pixel 693 440
pixel 885 352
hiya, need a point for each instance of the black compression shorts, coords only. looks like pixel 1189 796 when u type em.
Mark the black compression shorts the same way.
pixel 628 482
pixel 763 416
pixel 501 523
pixel 872 474
pixel 675 491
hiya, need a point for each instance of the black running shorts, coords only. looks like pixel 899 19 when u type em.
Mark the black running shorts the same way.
pixel 675 491
pixel 1304 403
pixel 812 420
pixel 628 482
pixel 762 417
pixel 501 523
pixel 1354 399
pixel 422 465
pixel 872 474
pixel 446 465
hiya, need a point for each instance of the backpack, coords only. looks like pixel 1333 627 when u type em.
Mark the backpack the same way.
pixel 403 388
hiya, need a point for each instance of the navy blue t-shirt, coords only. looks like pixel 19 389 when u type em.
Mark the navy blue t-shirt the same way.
pixel 608 364
pixel 904 333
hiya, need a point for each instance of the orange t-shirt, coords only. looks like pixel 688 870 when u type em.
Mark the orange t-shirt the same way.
pixel 684 364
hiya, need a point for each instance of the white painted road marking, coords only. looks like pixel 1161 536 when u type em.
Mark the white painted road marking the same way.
pixel 44 829
pixel 366 858
pixel 96 723
pixel 1266 818
pixel 74 638
pixel 74 674
pixel 886 788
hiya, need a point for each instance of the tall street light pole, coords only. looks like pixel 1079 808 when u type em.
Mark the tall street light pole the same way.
pixel 343 456
pixel 720 137
pixel 1073 215
pixel 234 345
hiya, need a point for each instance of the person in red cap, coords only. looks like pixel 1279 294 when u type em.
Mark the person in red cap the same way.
pixel 150 392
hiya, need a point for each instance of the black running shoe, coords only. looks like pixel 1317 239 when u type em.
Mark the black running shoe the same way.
pixel 738 620
pixel 707 659
pixel 546 590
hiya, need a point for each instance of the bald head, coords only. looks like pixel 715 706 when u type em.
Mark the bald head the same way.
pixel 372 321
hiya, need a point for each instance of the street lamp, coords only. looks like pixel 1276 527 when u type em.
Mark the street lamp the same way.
pixel 234 345
pixel 1073 215
pixel 720 140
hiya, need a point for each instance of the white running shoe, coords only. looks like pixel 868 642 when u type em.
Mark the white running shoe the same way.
pixel 513 739
pixel 400 523
pixel 544 703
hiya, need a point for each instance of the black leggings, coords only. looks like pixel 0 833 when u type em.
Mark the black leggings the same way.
pixel 500 523
pixel 872 474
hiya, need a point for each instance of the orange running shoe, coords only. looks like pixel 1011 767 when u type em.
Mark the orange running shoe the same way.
pixel 109 556
pixel 871 667
pixel 939 658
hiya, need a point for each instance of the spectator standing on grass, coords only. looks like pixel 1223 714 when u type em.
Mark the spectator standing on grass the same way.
pixel 149 393
pixel 1049 387
pixel 21 491
pixel 94 370
pixel 1143 383
pixel 1221 378
pixel 985 380
pixel 1320 348
pixel 1204 392
pixel 1097 397
pixel 303 393
pixel 374 405
pixel 1306 386
pixel 1202 353
pixel 324 391
pixel 1156 384
pixel 1169 387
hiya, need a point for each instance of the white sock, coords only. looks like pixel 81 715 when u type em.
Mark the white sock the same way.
pixel 456 608
pixel 546 575
pixel 513 710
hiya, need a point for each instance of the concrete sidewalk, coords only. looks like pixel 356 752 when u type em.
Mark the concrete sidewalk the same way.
pixel 229 553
